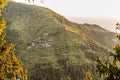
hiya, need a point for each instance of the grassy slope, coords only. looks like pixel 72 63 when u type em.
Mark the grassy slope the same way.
pixel 105 37
pixel 40 34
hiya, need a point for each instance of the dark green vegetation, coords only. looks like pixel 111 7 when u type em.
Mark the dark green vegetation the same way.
pixel 110 67
pixel 51 47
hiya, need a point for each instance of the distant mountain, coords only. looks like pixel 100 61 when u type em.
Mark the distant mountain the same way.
pixel 50 46
pixel 107 23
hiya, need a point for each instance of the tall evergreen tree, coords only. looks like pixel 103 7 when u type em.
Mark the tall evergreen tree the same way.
pixel 11 67
pixel 109 69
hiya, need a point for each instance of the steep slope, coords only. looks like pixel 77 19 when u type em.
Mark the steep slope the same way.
pixel 45 40
pixel 105 37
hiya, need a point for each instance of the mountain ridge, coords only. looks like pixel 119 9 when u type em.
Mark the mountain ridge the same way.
pixel 107 23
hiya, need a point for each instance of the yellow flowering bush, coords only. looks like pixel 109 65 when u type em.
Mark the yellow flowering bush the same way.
pixel 11 67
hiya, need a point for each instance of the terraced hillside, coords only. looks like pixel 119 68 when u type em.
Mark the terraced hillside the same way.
pixel 52 47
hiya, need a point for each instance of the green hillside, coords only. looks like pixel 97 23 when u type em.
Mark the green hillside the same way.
pixel 104 37
pixel 50 46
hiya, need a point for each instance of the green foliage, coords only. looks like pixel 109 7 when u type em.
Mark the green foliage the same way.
pixel 65 71
pixel 110 68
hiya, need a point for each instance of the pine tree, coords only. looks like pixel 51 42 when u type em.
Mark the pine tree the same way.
pixel 11 67
pixel 109 69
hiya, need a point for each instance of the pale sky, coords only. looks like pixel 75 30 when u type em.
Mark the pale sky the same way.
pixel 83 8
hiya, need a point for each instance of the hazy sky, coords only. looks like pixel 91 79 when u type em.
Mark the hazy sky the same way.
pixel 102 12
pixel 83 8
